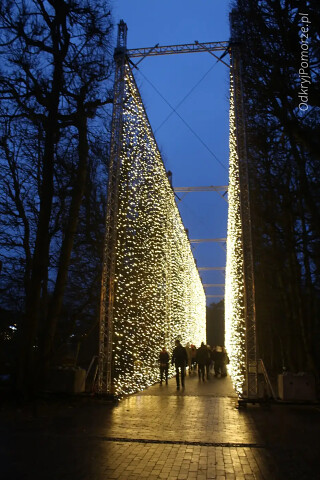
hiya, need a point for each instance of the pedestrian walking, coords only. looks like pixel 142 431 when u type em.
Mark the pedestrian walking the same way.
pixel 202 358
pixel 218 360
pixel 179 359
pixel 225 362
pixel 208 362
pixel 193 357
pixel 188 350
pixel 164 365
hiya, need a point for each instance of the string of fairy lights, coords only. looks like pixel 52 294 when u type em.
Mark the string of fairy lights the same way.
pixel 159 296
pixel 234 283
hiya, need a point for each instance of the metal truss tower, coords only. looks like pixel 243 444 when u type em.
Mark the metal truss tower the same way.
pixel 109 260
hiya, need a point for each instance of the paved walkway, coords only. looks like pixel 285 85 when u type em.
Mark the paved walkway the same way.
pixel 162 433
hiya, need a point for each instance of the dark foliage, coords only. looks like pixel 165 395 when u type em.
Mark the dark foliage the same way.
pixel 54 84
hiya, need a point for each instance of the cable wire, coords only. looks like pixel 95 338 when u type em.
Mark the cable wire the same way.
pixel 186 96
pixel 186 124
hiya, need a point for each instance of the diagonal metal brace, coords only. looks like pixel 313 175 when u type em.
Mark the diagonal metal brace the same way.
pixel 144 56
pixel 211 53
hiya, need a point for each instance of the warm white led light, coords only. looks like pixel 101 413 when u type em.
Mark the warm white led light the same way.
pixel 234 283
pixel 158 292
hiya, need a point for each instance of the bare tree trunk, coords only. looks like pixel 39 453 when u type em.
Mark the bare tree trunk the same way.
pixel 40 261
pixel 39 273
pixel 56 302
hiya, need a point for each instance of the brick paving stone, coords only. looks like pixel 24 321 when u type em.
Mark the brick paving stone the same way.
pixel 209 438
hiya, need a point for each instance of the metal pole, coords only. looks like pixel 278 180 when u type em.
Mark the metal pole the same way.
pixel 105 370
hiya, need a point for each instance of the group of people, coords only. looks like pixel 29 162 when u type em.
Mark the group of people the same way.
pixel 189 356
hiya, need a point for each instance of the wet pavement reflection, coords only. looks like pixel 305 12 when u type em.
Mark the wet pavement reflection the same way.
pixel 201 412
pixel 161 433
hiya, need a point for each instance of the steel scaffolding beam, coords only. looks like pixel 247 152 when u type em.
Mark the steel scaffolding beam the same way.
pixel 211 268
pixel 251 387
pixel 174 49
pixel 211 188
pixel 215 296
pixel 205 240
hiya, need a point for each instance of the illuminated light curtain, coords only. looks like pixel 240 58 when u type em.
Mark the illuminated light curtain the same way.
pixel 158 292
pixel 234 283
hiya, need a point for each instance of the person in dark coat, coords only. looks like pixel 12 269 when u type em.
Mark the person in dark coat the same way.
pixel 193 357
pixel 188 350
pixel 180 360
pixel 218 360
pixel 164 364
pixel 208 364
pixel 225 362
pixel 203 356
